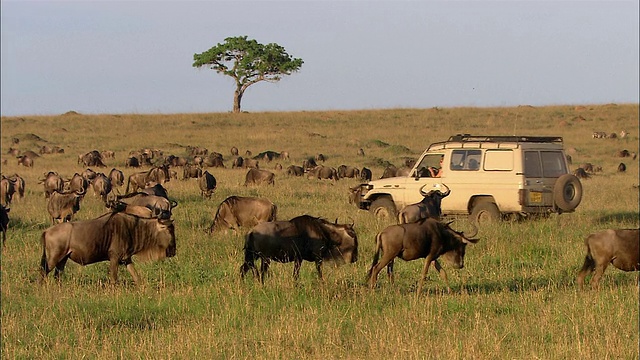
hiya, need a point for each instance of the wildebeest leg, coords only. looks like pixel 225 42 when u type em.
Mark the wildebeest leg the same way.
pixel 297 263
pixel 390 271
pixel 600 268
pixel 319 269
pixel 427 263
pixel 264 269
pixel 60 267
pixel 443 274
pixel 113 270
pixel 133 272
pixel 587 268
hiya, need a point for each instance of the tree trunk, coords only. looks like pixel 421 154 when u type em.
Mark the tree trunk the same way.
pixel 237 98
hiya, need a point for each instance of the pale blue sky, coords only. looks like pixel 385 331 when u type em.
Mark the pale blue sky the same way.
pixel 118 57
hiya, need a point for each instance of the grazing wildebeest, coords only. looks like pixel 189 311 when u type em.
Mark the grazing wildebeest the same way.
pixel 389 171
pixel 622 167
pixel 207 184
pixel 52 182
pixel 92 158
pixel 24 160
pixel 236 211
pixel 63 205
pixel 309 164
pixel 238 162
pixel 427 238
pixel 108 154
pixel 4 222
pixel 620 247
pixel 191 171
pixel 323 172
pixel 429 206
pixel 77 183
pixel 301 238
pixel 18 185
pixel 361 152
pixel 101 186
pixel 365 174
pixel 250 163
pixel 157 204
pixel 214 160
pixel 158 174
pixel 178 161
pixel 267 156
pixel 113 237
pixel 320 157
pixel 89 174
pixel 116 177
pixel 588 167
pixel 284 155
pixel 31 154
pixel 581 173
pixel 197 150
pixel 234 151
pixel 278 167
pixel 345 171
pixel 132 161
pixel 257 177
pixel 7 189
pixel 295 170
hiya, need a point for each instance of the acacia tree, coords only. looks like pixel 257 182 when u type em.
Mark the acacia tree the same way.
pixel 247 62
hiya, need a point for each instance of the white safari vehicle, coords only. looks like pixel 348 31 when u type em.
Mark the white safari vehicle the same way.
pixel 490 178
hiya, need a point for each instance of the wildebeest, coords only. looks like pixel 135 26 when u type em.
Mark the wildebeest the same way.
pixel 24 160
pixel 153 188
pixel 267 156
pixel 236 211
pixel 207 184
pixel 429 206
pixel 361 152
pixel 320 157
pixel 301 238
pixel 345 171
pixel 197 150
pixel 284 155
pixel 101 186
pixel 77 183
pixel 238 162
pixel 4 222
pixel 581 173
pixel 403 171
pixel 323 172
pixel 620 247
pixel 113 237
pixel 52 182
pixel 89 174
pixel 234 151
pixel 7 189
pixel 191 171
pixel 251 163
pixel 427 238
pixel 309 164
pixel 116 177
pixel 92 158
pixel 18 185
pixel 365 174
pixel 108 154
pixel 599 135
pixel 158 204
pixel 389 171
pixel 132 161
pixel 158 174
pixel 214 160
pixel 63 205
pixel 295 170
pixel 622 167
pixel 588 167
pixel 258 176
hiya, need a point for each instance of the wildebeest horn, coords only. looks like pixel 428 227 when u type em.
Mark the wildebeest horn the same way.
pixel 174 203
pixel 475 231
pixel 446 192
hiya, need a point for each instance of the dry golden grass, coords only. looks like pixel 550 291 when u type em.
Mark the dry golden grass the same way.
pixel 516 297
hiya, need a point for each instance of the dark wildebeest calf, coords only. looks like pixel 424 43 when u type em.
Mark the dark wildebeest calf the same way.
pixel 618 247
pixel 301 238
pixel 427 238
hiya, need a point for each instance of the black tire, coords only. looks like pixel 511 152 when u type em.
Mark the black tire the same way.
pixel 567 193
pixel 384 208
pixel 485 213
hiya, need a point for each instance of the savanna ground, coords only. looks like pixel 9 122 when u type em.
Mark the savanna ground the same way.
pixel 516 298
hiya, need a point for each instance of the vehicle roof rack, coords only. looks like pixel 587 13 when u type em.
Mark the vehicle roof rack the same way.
pixel 500 138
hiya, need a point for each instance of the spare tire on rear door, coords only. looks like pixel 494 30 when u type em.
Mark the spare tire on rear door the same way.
pixel 567 192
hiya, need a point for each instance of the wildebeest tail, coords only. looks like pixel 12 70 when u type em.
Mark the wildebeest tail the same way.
pixel 274 213
pixel 44 268
pixel 376 255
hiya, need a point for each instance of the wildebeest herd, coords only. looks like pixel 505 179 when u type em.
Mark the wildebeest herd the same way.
pixel 140 222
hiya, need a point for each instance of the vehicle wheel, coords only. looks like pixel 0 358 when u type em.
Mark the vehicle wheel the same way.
pixel 384 208
pixel 484 212
pixel 567 192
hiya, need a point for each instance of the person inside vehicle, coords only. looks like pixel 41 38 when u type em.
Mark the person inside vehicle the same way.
pixel 437 172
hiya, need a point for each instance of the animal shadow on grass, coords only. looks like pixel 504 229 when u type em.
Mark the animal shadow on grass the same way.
pixel 627 217
pixel 517 284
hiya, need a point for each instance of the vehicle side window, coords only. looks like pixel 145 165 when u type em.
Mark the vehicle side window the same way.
pixel 553 164
pixel 532 166
pixel 498 160
pixel 466 160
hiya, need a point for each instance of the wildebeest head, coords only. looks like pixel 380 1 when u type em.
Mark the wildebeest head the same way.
pixel 455 256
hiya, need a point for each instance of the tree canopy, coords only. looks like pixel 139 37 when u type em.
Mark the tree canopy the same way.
pixel 247 62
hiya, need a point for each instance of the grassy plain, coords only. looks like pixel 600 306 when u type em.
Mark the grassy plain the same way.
pixel 515 299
